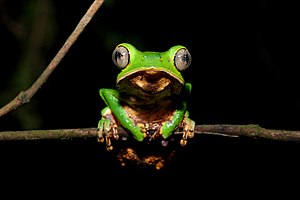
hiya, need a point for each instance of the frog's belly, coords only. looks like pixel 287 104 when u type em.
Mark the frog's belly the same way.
pixel 157 115
pixel 150 120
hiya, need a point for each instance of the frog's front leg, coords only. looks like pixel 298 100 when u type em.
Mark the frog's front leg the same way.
pixel 115 115
pixel 180 118
pixel 187 124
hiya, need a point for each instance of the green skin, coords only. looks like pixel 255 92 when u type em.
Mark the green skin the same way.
pixel 115 114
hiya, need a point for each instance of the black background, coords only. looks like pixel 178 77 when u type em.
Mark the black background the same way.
pixel 244 71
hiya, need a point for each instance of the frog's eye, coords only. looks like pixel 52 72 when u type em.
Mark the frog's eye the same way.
pixel 120 57
pixel 182 59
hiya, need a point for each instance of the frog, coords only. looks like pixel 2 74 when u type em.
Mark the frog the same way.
pixel 150 98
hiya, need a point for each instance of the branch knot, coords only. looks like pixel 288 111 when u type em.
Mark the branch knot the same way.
pixel 23 97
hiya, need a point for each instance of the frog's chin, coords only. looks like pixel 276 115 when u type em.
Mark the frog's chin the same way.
pixel 150 82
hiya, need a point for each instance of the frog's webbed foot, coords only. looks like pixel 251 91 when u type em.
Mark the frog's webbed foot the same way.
pixel 129 156
pixel 188 127
pixel 107 129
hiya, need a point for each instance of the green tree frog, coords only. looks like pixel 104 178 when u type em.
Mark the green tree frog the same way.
pixel 150 101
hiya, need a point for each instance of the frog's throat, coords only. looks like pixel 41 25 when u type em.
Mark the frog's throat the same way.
pixel 176 76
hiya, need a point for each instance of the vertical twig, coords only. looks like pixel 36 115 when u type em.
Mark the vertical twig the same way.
pixel 25 96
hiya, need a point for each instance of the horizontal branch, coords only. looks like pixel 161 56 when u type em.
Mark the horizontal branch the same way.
pixel 253 131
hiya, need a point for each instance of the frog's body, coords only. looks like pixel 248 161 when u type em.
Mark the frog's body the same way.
pixel 150 100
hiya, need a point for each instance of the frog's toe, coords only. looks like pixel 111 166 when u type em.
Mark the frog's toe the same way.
pixel 115 132
pixel 112 133
pixel 109 147
pixel 100 131
pixel 188 130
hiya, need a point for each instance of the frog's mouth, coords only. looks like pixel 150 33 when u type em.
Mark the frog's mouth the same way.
pixel 150 81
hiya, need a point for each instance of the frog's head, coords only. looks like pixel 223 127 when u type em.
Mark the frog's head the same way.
pixel 149 73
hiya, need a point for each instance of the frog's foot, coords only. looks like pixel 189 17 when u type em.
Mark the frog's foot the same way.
pixel 107 130
pixel 188 127
pixel 129 156
pixel 153 160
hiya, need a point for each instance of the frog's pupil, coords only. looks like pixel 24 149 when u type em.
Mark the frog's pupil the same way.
pixel 186 58
pixel 118 55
